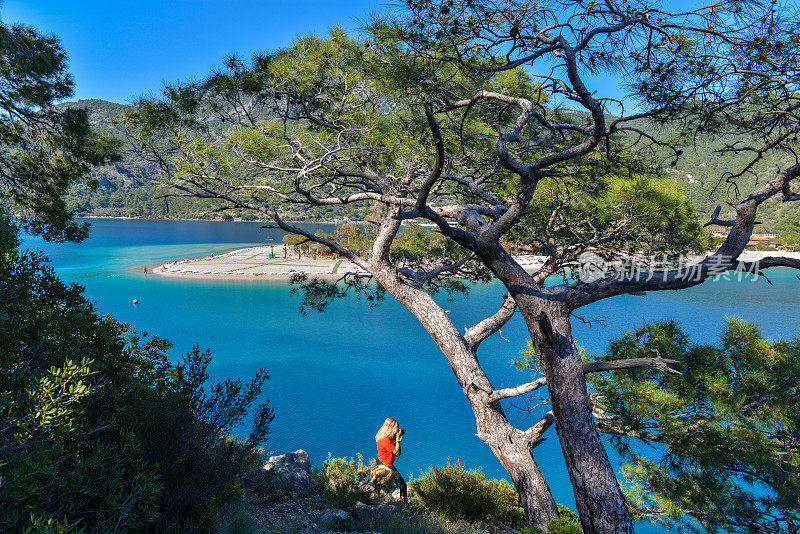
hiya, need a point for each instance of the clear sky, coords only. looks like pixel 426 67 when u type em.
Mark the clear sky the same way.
pixel 121 49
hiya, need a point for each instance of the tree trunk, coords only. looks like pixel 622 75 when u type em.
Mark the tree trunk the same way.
pixel 513 449
pixel 510 445
pixel 537 500
pixel 601 504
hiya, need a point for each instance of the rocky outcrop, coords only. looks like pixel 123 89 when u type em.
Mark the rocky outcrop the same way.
pixel 292 470
pixel 336 520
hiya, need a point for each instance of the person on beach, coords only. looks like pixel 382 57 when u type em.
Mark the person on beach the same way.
pixel 388 441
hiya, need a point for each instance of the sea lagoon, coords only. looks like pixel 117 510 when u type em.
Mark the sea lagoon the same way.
pixel 335 376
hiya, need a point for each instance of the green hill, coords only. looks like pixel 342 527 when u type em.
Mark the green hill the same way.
pixel 131 188
pixel 702 170
pixel 128 188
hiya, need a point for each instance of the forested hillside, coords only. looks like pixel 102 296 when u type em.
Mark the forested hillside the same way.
pixel 131 188
pixel 705 173
pixel 126 188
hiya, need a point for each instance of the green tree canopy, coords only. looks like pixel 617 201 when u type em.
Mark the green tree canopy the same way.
pixel 726 431
pixel 98 430
pixel 449 111
pixel 43 149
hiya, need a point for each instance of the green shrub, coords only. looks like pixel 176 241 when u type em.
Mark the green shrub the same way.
pixel 235 518
pixel 468 495
pixel 343 482
pixel 64 462
pixel 566 523
pixel 185 431
pixel 328 523
pixel 98 431
pixel 342 496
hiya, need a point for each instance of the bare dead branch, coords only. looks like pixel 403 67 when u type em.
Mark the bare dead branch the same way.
pixel 660 364
pixel 535 432
pixel 717 221
pixel 724 259
pixel 477 334
pixel 506 393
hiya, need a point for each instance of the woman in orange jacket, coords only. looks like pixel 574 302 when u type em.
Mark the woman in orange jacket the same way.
pixel 388 441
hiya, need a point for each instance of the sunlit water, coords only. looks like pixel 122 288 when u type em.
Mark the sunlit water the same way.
pixel 335 377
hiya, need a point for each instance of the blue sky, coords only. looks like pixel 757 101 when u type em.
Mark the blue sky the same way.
pixel 121 49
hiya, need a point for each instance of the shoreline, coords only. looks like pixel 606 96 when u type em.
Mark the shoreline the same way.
pixel 182 219
pixel 272 262
pixel 158 270
pixel 280 263
pixel 259 221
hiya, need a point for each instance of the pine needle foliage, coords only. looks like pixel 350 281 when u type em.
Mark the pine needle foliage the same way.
pixel 725 433
pixel 44 149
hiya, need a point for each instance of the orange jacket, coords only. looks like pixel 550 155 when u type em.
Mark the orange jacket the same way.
pixel 386 454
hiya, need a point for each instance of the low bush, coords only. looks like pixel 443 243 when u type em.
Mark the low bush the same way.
pixel 235 518
pixel 99 432
pixel 344 482
pixel 185 431
pixel 566 523
pixel 468 495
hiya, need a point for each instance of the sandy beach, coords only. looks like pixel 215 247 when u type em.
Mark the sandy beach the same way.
pixel 274 263
pixel 277 263
pixel 753 255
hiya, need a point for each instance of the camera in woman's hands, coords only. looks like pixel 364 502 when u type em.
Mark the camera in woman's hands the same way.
pixel 401 431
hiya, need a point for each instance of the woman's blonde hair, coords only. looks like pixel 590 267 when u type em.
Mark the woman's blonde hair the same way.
pixel 389 428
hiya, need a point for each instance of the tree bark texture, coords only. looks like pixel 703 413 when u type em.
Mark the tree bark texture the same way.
pixel 601 504
pixel 598 496
pixel 511 446
pixel 515 456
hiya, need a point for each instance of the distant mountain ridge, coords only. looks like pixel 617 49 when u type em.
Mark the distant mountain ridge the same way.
pixel 129 189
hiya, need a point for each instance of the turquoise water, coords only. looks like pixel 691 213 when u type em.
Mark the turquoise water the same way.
pixel 336 376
